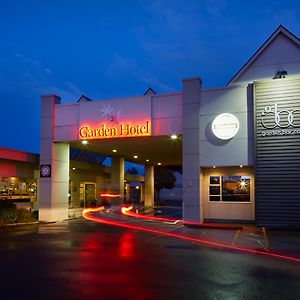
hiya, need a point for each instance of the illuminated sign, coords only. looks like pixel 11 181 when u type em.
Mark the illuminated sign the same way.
pixel 115 131
pixel 225 126
pixel 45 171
pixel 277 121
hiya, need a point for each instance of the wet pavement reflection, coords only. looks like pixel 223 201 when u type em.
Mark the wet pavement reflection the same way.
pixel 78 259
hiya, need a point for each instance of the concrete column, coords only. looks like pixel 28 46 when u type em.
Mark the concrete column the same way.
pixel 117 179
pixel 127 192
pixel 53 196
pixel 149 185
pixel 191 150
pixel 141 193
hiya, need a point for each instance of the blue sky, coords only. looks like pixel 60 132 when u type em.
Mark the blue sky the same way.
pixel 107 49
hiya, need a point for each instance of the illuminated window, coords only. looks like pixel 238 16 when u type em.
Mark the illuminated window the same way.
pixel 229 188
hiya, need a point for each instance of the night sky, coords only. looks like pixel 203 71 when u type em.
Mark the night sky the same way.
pixel 108 49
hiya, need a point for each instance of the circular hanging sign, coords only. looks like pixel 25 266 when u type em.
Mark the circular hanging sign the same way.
pixel 225 126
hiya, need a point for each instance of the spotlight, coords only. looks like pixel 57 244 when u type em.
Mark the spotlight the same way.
pixel 280 74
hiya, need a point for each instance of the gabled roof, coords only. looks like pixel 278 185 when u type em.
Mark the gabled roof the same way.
pixel 84 98
pixel 150 91
pixel 280 30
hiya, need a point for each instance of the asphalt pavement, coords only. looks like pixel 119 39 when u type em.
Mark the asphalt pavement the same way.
pixel 80 259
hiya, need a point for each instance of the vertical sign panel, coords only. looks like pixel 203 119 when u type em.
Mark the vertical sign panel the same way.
pixel 277 150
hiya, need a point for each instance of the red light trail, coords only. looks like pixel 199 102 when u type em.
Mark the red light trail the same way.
pixel 110 195
pixel 127 211
pixel 86 214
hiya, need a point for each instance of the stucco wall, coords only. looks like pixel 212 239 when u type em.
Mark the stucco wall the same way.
pixel 238 150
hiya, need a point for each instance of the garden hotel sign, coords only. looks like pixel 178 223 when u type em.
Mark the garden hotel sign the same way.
pixel 121 130
pixel 280 122
pixel 115 119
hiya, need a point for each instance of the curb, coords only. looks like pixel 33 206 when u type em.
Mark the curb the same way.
pixel 18 224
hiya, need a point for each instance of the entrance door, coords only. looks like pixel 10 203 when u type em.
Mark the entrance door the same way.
pixel 90 194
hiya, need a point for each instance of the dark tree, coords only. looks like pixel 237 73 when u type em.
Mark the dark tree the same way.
pixel 164 178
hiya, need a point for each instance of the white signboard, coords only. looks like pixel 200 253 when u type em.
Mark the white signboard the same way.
pixel 225 126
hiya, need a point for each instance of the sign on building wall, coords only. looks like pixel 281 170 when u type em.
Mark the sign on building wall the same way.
pixel 277 151
pixel 115 119
pixel 45 171
pixel 278 120
pixel 225 126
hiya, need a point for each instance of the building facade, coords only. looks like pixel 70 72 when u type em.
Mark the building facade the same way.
pixel 239 145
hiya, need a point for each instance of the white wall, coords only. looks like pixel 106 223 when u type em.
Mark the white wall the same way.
pixel 234 152
pixel 282 53
pixel 164 111
pixel 227 210
pixel 166 114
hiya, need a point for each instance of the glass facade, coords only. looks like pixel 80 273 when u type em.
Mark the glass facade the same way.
pixel 18 189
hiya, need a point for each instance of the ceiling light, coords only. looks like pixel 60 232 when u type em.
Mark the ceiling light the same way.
pixel 135 156
pixel 174 136
pixel 241 166
pixel 147 160
pixel 214 167
pixel 73 169
pixel 114 150
pixel 84 142
pixel 159 164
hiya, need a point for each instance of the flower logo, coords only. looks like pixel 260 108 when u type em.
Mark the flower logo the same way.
pixel 111 114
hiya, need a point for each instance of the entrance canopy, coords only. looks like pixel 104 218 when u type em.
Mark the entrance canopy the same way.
pixel 139 129
pixel 144 150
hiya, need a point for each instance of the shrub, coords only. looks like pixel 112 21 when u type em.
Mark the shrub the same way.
pixel 24 216
pixel 8 212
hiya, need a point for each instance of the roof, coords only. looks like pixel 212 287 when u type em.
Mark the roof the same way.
pixel 280 30
pixel 149 91
pixel 11 154
pixel 84 98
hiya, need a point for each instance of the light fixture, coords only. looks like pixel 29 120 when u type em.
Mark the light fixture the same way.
pixel 159 164
pixel 147 160
pixel 73 169
pixel 214 167
pixel 114 150
pixel 241 166
pixel 84 142
pixel 280 74
pixel 137 187
pixel 243 184
pixel 174 136
pixel 135 156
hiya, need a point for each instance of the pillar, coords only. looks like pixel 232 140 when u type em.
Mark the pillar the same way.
pixel 53 196
pixel 127 191
pixel 191 150
pixel 141 193
pixel 117 179
pixel 149 186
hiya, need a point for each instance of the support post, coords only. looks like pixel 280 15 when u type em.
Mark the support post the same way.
pixel 191 150
pixel 53 196
pixel 117 179
pixel 149 186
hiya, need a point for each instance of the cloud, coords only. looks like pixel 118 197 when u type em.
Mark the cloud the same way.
pixel 36 64
pixel 122 66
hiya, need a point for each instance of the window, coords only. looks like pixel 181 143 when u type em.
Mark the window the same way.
pixel 229 188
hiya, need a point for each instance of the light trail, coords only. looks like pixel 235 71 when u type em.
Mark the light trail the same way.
pixel 86 214
pixel 110 195
pixel 127 211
